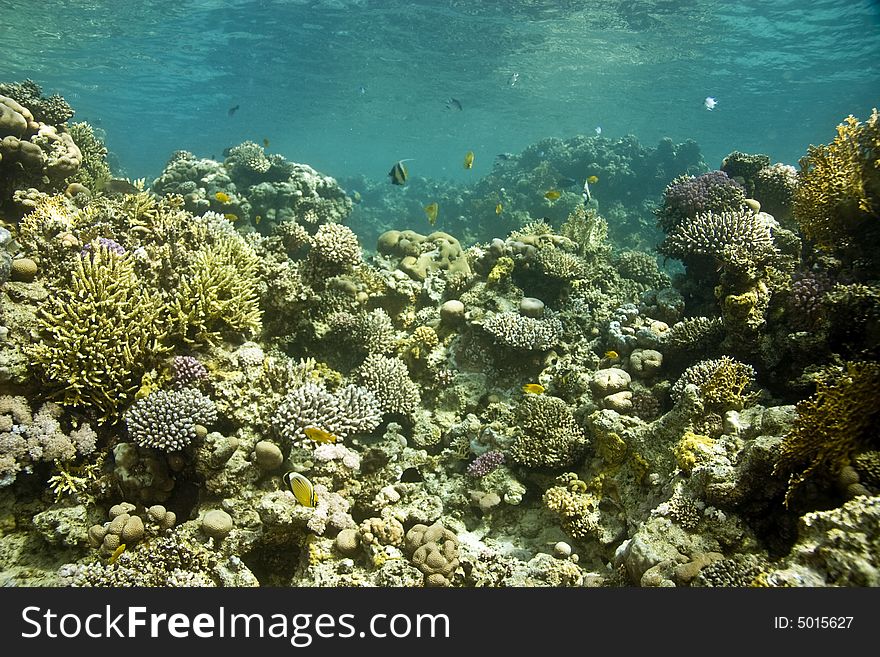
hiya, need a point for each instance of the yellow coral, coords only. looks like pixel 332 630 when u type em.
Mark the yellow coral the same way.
pixel 501 271
pixel 219 295
pixel 838 198
pixel 100 335
pixel 832 426
pixel 692 450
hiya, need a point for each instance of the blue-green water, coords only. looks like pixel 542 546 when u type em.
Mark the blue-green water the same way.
pixel 350 86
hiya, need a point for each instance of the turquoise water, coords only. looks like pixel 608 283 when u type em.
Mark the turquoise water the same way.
pixel 350 86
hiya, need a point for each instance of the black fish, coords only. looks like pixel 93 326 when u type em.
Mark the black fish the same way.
pixel 233 110
pixel 453 103
pixel 227 151
pixel 398 174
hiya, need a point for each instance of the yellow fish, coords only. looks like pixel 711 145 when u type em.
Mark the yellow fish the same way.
pixel 116 554
pixel 301 488
pixel 223 197
pixel 265 142
pixel 552 195
pixel 232 217
pixel 258 219
pixel 319 435
pixel 469 160
pixel 498 208
pixel 593 180
pixel 611 354
pixel 533 388
pixel 431 210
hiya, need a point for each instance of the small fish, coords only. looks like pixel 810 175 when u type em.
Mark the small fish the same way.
pixel 453 104
pixel 611 355
pixel 398 173
pixel 362 90
pixel 431 210
pixel 598 130
pixel 499 208
pixel 233 110
pixel 116 554
pixel 505 156
pixel 469 160
pixel 319 435
pixel 301 488
pixel 231 217
pixel 533 389
pixel 356 197
pixel 710 103
pixel 119 186
pixel 513 79
pixel 586 192
pixel 265 142
pixel 552 194
pixel 227 151
pixel 593 180
pixel 223 197
pixel 258 219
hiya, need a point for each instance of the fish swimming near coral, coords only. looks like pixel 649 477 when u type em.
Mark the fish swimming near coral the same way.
pixel 552 194
pixel 593 179
pixel 533 389
pixel 223 197
pixel 586 192
pixel 513 79
pixel 258 219
pixel 116 554
pixel 319 435
pixel 469 160
pixel 398 173
pixel 231 217
pixel 454 104
pixel 265 142
pixel 232 110
pixel 598 130
pixel 301 488
pixel 431 210
pixel 710 103
pixel 120 187
pixel 499 208
pixel 611 355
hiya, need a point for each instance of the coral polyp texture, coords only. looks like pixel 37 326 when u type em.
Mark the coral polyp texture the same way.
pixel 665 376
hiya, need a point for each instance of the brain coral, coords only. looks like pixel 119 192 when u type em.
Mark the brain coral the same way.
pixel 352 410
pixel 167 419
pixel 100 334
pixel 513 330
pixel 549 437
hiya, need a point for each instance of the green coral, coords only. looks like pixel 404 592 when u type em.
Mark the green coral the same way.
pixel 837 203
pixel 549 435
pixel 100 334
pixel 832 426
pixel 220 294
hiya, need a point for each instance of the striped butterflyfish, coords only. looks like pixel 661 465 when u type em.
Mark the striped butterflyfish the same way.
pixel 301 488
pixel 398 173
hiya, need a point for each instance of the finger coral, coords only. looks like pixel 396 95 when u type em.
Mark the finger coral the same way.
pixel 167 419
pixel 100 334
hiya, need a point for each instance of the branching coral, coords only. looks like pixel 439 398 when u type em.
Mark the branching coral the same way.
pixel 352 410
pixel 837 203
pixel 723 382
pixel 549 435
pixel 513 330
pixel 728 236
pixel 167 419
pixel 100 334
pixel 687 196
pixel 220 294
pixel 832 426
pixel 388 379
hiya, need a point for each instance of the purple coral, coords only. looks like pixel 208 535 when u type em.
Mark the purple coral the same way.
pixel 805 302
pixel 188 371
pixel 485 463
pixel 687 196
pixel 107 243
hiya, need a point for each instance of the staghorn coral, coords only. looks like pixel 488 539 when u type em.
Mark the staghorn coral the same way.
pixel 351 410
pixel 219 295
pixel 548 435
pixel 100 334
pixel 388 379
pixel 513 330
pixel 167 419
pixel 728 237
pixel 832 426
pixel 837 203
pixel 722 382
